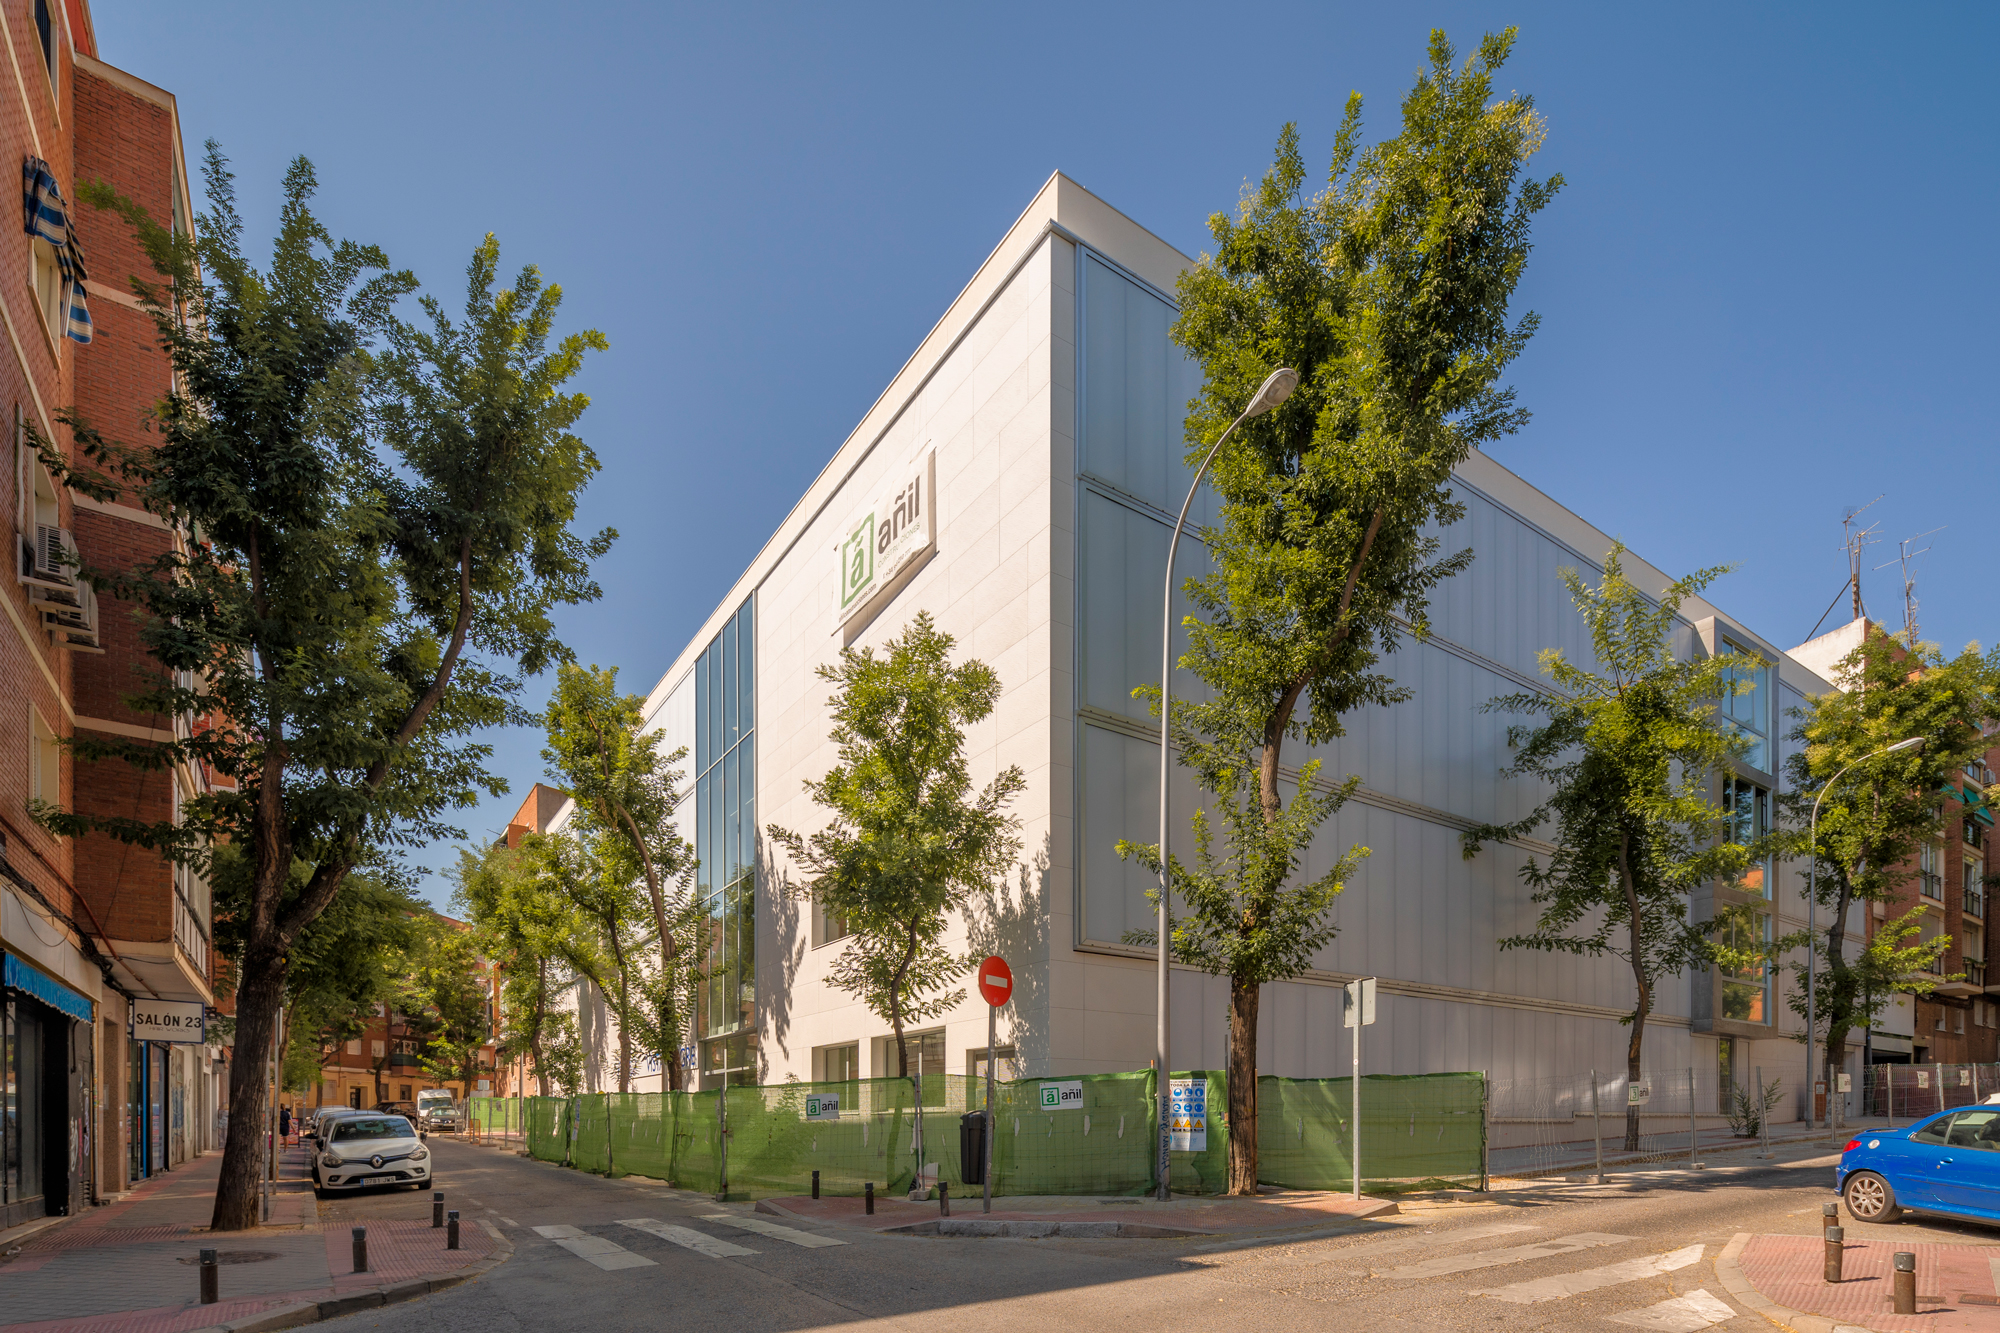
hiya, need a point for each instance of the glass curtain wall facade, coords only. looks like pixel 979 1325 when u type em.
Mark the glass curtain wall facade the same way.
pixel 726 846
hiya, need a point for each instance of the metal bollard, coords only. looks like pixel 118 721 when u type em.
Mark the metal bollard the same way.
pixel 944 1198
pixel 361 1249
pixel 210 1292
pixel 1829 1216
pixel 868 1198
pixel 1906 1283
pixel 437 1208
pixel 815 1184
pixel 451 1230
pixel 1835 1251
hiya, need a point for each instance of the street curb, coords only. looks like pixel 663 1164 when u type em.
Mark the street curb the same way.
pixel 311 1312
pixel 1730 1273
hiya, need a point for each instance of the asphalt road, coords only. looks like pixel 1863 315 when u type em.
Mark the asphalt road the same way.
pixel 1551 1258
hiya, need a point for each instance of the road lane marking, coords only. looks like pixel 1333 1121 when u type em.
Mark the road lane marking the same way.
pixel 771 1229
pixel 1461 1263
pixel 1683 1314
pixel 606 1254
pixel 1590 1279
pixel 698 1241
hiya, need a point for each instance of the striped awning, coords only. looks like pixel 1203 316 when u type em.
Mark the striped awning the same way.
pixel 46 218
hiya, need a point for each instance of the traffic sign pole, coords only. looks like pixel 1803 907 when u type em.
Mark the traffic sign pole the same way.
pixel 996 987
pixel 986 1171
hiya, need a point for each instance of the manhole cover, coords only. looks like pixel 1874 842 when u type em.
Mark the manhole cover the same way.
pixel 237 1257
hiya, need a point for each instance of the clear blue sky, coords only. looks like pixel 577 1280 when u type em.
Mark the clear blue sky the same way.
pixel 1767 293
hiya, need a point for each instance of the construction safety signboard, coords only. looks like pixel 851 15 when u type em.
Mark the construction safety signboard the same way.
pixel 1187 1120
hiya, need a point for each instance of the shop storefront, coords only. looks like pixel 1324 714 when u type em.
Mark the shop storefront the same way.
pixel 45 1081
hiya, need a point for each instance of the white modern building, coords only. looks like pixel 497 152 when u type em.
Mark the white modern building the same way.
pixel 1017 480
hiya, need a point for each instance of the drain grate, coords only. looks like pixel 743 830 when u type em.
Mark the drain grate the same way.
pixel 236 1257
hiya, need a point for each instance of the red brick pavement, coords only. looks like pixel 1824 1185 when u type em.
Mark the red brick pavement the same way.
pixel 398 1251
pixel 1791 1271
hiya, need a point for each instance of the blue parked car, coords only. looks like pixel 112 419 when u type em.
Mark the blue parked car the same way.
pixel 1949 1163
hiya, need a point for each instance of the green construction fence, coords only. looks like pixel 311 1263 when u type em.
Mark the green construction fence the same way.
pixel 1089 1134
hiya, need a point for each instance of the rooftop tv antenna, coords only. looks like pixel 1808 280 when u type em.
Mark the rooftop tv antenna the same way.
pixel 1853 541
pixel 1857 539
pixel 1907 559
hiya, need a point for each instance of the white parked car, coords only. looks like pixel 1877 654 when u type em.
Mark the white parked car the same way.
pixel 361 1150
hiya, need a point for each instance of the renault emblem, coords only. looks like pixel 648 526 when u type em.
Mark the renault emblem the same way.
pixel 376 1161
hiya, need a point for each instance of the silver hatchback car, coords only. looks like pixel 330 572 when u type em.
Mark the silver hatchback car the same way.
pixel 361 1150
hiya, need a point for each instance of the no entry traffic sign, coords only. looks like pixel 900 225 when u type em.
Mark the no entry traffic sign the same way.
pixel 996 981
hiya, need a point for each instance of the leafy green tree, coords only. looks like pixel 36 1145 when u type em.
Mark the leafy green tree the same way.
pixel 344 966
pixel 535 937
pixel 445 998
pixel 602 757
pixel 605 896
pixel 1880 812
pixel 384 513
pixel 909 842
pixel 1629 753
pixel 1388 293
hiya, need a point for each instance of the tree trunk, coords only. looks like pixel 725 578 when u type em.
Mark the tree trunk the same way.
pixel 1642 985
pixel 1243 998
pixel 259 996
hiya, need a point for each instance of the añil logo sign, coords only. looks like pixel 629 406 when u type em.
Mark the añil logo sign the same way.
pixel 888 538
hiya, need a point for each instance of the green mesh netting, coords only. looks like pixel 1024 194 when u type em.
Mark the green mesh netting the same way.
pixel 1088 1134
pixel 1413 1127
pixel 548 1128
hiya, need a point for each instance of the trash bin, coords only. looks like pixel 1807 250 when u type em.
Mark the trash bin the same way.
pixel 972 1147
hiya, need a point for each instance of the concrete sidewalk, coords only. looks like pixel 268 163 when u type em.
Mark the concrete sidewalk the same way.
pixel 132 1266
pixel 1066 1216
pixel 1958 1286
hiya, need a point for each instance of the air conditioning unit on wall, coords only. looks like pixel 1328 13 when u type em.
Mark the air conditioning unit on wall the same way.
pixel 75 626
pixel 48 565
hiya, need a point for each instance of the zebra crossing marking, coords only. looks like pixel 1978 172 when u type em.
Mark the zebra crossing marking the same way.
pixel 1461 1263
pixel 1590 1279
pixel 687 1237
pixel 606 1254
pixel 1682 1314
pixel 772 1229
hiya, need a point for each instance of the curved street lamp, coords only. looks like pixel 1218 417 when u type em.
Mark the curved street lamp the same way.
pixel 1812 925
pixel 1275 389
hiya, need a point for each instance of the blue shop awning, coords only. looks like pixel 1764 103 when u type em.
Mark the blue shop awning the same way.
pixel 30 980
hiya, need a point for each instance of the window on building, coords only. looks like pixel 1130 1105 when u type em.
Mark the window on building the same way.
pixel 1975 832
pixel 1931 933
pixel 1958 1021
pixel 354 1046
pixel 1746 992
pixel 378 1049
pixel 726 841
pixel 1748 708
pixel 841 1064
pixel 1974 901
pixel 46 28
pixel 402 1092
pixel 48 289
pixel 1972 950
pixel 44 760
pixel 1747 814
pixel 1930 870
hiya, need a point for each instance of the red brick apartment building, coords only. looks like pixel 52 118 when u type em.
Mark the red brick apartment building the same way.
pixel 108 974
pixel 1959 1021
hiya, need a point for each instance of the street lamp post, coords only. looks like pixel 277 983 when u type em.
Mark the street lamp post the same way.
pixel 1812 925
pixel 1275 389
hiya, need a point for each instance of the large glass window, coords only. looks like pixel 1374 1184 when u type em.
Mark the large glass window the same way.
pixel 1975 887
pixel 726 844
pixel 1748 708
pixel 1746 992
pixel 20 1101
pixel 1930 871
pixel 1747 811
